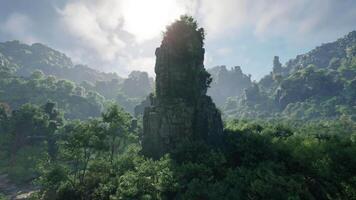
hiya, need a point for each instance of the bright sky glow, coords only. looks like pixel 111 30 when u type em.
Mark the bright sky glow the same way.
pixel 121 35
pixel 147 19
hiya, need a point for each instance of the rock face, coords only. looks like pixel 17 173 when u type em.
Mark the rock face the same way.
pixel 227 83
pixel 180 110
pixel 323 56
pixel 137 85
pixel 277 66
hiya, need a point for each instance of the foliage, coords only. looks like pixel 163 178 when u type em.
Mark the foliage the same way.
pixel 185 36
pixel 137 85
pixel 3 197
pixel 38 89
pixel 28 135
pixel 317 85
pixel 89 157
pixel 179 64
pixel 259 160
pixel 29 58
pixel 22 62
pixel 101 159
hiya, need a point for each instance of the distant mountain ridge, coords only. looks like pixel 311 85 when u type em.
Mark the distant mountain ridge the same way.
pixel 30 58
pixel 37 62
pixel 227 83
pixel 315 85
pixel 324 55
pixel 231 83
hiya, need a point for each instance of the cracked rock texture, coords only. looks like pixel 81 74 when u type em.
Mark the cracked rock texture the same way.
pixel 180 110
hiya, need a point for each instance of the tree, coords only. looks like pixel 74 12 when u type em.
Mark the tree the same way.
pixel 119 124
pixel 138 84
pixel 55 121
pixel 37 74
pixel 185 41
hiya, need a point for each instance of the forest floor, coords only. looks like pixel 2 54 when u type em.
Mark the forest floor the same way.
pixel 12 191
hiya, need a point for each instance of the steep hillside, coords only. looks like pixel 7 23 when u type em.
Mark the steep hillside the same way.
pixel 327 55
pixel 128 93
pixel 19 61
pixel 6 67
pixel 73 100
pixel 315 85
pixel 51 62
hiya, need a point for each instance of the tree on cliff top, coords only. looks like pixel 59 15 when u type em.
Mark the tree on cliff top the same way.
pixel 185 36
pixel 181 55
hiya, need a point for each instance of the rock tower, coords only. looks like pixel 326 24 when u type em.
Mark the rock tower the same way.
pixel 180 109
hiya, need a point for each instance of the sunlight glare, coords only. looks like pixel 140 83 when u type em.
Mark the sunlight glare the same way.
pixel 147 19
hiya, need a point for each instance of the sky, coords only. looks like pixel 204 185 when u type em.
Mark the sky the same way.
pixel 121 35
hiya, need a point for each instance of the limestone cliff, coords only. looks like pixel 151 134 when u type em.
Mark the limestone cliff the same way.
pixel 180 110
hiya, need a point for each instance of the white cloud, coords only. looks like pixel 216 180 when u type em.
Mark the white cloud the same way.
pixel 121 35
pixel 147 19
pixel 222 16
pixel 86 22
pixel 272 17
pixel 116 33
pixel 224 51
pixel 141 64
pixel 18 26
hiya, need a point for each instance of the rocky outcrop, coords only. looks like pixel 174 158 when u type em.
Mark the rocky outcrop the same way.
pixel 323 56
pixel 137 85
pixel 277 66
pixel 140 108
pixel 180 110
pixel 227 83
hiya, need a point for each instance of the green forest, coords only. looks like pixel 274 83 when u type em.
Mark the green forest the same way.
pixel 69 132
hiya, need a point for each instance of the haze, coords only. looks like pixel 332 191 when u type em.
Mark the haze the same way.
pixel 121 35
